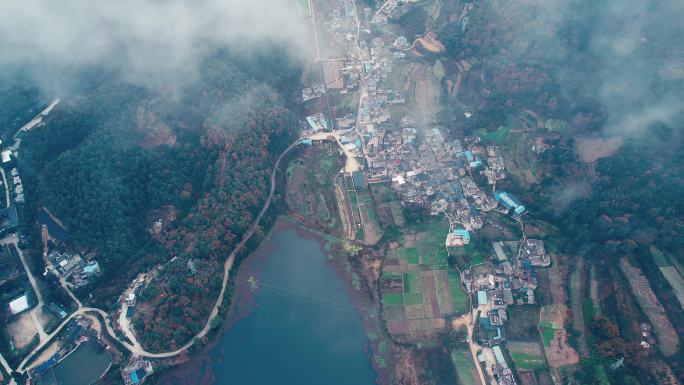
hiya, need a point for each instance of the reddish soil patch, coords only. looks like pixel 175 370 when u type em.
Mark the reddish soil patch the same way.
pixel 527 377
pixel 590 149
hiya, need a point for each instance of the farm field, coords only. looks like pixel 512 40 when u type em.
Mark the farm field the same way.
pixel 310 194
pixel 671 272
pixel 520 160
pixel 389 210
pixel 371 228
pixel 418 288
pixel 576 305
pixel 526 355
pixel 666 335
pixel 553 316
pixel 498 137
pixel 465 368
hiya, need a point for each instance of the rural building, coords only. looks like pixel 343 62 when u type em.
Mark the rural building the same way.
pixel 498 250
pixel 458 237
pixel 534 250
pixel 509 201
pixel 6 156
pixel 20 304
pixel 9 220
pixel 499 355
pixel 58 310
pixel 359 180
pixel 137 376
pixel 317 122
pixel 482 298
pixel 92 268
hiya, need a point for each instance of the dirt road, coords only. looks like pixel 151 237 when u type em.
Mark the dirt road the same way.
pixel 12 240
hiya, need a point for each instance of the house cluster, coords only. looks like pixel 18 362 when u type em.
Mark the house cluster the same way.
pixel 391 8
pixel 341 23
pixel 317 122
pixel 75 270
pixel 18 186
pixel 510 280
pixel 429 171
pixel 502 373
pixel 316 90
pixel 377 68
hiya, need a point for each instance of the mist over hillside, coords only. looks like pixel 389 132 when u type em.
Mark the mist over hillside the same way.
pixel 157 44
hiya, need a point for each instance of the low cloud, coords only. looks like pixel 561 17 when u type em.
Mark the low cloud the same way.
pixel 626 55
pixel 155 43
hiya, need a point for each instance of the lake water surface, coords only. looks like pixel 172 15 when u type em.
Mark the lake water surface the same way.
pixel 303 329
pixel 84 366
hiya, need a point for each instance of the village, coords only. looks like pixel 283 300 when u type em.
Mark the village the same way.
pixel 446 177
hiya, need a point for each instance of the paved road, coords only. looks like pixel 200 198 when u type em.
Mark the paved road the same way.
pixel 7 368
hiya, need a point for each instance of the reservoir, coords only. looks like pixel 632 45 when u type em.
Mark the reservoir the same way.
pixel 84 366
pixel 301 328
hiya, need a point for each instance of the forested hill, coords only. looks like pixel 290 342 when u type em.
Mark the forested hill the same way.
pixel 116 158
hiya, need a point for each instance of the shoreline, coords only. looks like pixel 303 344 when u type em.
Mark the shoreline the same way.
pixel 200 366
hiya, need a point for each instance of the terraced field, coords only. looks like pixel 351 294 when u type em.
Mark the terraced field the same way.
pixel 672 272
pixel 668 340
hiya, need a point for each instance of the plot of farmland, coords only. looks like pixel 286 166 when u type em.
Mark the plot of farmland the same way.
pixel 459 297
pixel 392 299
pixel 465 368
pixel 411 282
pixel 410 254
pixel 526 355
pixel 672 273
pixel 547 332
pixel 416 278
pixel 675 280
pixel 554 336
pixel 499 136
pixel 668 340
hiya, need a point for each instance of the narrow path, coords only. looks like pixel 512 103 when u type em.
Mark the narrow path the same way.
pixel 315 29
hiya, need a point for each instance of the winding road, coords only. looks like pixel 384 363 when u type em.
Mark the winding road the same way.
pixel 135 348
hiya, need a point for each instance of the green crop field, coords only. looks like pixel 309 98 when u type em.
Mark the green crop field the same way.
pixel 547 332
pixel 430 244
pixel 458 296
pixel 392 299
pixel 465 368
pixel 410 254
pixel 527 361
pixel 498 136
pixel 411 282
pixel 413 298
pixel 391 275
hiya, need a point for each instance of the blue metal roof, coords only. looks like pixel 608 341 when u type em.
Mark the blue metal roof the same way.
pixel 482 297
